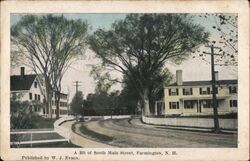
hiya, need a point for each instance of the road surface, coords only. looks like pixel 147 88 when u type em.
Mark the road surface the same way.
pixel 132 133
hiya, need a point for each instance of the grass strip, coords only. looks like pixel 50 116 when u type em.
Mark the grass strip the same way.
pixel 95 135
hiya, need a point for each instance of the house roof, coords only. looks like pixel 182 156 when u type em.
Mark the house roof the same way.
pixel 18 83
pixel 204 83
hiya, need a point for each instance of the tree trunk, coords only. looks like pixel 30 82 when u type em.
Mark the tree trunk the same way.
pixel 152 105
pixel 145 103
pixel 48 98
pixel 57 102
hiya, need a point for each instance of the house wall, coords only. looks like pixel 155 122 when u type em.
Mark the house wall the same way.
pixel 223 96
pixel 63 108
pixel 25 96
pixel 34 90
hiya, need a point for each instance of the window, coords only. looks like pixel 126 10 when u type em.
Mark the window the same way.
pixel 35 96
pixel 216 90
pixel 232 89
pixel 187 91
pixel 38 97
pixel 35 84
pixel 173 92
pixel 30 94
pixel 63 104
pixel 207 104
pixel 205 91
pixel 188 104
pixel 233 103
pixel 173 105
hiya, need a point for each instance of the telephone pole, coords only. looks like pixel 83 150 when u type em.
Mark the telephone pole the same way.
pixel 77 84
pixel 214 99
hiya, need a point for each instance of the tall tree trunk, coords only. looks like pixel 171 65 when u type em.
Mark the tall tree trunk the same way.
pixel 152 106
pixel 48 98
pixel 57 102
pixel 145 103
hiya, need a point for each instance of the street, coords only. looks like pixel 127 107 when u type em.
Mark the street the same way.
pixel 132 133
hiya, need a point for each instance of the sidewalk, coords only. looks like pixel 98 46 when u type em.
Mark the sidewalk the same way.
pixel 80 140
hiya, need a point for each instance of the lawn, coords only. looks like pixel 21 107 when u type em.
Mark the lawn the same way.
pixel 39 122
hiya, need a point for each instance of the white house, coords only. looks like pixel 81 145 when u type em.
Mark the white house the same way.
pixel 195 97
pixel 28 87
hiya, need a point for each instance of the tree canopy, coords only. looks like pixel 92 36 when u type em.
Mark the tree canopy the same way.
pixel 47 43
pixel 77 103
pixel 141 44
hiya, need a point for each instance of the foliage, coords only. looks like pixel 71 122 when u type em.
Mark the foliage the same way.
pixel 141 44
pixel 225 27
pixel 20 115
pixel 39 122
pixel 103 80
pixel 77 104
pixel 47 44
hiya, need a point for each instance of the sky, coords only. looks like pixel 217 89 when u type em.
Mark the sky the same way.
pixel 193 68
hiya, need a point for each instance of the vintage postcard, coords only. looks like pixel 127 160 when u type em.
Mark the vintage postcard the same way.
pixel 124 80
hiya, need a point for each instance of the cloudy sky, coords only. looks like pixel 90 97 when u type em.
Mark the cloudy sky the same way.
pixel 193 68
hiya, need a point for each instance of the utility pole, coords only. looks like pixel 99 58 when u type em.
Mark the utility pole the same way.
pixel 77 84
pixel 214 99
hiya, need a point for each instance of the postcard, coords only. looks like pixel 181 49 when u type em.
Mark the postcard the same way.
pixel 124 80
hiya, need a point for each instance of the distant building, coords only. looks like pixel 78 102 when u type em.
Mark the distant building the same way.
pixel 28 87
pixel 195 97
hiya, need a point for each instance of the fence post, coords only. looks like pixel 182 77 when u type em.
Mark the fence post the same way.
pixel 31 139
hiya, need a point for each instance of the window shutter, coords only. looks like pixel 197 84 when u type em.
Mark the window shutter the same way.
pixel 170 107
pixel 231 103
pixel 183 91
pixel 177 91
pixel 177 105
pixel 236 103
pixel 230 89
pixel 191 90
pixel 169 92
pixel 200 90
pixel 208 90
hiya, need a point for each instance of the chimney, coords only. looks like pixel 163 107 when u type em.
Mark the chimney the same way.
pixel 216 75
pixel 22 72
pixel 179 81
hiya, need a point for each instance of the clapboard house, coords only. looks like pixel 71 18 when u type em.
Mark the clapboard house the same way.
pixel 195 97
pixel 30 87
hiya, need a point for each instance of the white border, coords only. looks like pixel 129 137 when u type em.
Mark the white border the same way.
pixel 240 7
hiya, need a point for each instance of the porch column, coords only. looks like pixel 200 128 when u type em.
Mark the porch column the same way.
pixel 198 105
pixel 155 108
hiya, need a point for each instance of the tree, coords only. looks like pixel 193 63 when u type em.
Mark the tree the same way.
pixel 141 44
pixel 77 104
pixel 225 27
pixel 47 43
